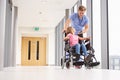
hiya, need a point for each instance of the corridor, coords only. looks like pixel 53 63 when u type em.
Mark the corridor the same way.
pixel 32 45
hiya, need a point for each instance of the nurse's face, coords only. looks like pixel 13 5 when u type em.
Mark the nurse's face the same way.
pixel 81 13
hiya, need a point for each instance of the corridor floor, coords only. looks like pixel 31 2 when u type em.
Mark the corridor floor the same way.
pixel 56 73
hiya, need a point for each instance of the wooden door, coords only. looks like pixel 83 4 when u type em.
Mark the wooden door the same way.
pixel 33 51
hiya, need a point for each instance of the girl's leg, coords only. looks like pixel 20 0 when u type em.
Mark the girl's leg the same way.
pixel 84 49
pixel 77 48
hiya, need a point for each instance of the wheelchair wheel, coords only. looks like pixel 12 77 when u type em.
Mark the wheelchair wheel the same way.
pixel 89 58
pixel 62 63
pixel 91 63
pixel 68 65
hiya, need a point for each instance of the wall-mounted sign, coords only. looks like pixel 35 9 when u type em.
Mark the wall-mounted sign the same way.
pixel 36 28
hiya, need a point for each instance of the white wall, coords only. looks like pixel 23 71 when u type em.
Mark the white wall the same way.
pixel 2 30
pixel 49 33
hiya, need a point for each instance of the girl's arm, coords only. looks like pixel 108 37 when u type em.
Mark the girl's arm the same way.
pixel 66 38
pixel 83 38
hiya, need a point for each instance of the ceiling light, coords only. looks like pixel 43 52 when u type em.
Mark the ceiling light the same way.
pixel 40 12
pixel 43 0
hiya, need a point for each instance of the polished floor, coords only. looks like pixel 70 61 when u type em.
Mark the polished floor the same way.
pixel 56 73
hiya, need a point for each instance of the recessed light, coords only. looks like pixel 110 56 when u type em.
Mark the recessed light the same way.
pixel 43 0
pixel 40 12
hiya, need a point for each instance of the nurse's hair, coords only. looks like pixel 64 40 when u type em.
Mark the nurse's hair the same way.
pixel 82 8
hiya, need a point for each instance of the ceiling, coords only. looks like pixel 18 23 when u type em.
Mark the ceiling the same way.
pixel 41 13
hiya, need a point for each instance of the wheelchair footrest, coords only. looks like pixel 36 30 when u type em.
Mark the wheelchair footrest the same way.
pixel 78 63
pixel 94 64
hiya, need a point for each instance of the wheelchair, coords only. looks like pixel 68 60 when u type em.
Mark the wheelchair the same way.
pixel 70 58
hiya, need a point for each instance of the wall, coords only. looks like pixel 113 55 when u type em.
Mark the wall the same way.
pixel 8 34
pixel 2 31
pixel 49 33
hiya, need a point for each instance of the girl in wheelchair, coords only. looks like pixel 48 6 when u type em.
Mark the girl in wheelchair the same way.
pixel 73 47
pixel 74 41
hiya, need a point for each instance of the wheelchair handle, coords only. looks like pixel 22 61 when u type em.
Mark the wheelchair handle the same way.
pixel 80 33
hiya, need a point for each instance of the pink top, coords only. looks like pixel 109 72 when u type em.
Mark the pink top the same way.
pixel 73 39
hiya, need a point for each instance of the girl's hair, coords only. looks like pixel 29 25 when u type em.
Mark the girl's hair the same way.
pixel 70 30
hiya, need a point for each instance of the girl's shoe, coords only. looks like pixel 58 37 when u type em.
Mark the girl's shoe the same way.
pixel 78 67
